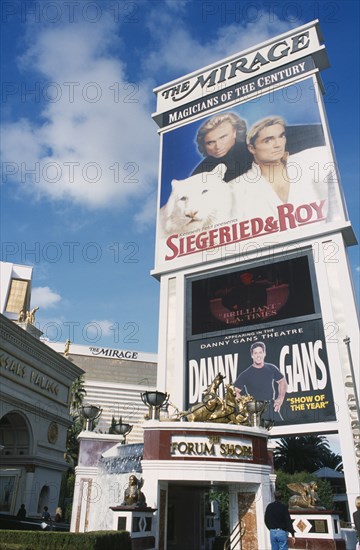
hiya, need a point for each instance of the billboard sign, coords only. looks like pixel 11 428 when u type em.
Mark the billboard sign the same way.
pixel 260 326
pixel 286 365
pixel 238 69
pixel 251 296
pixel 257 167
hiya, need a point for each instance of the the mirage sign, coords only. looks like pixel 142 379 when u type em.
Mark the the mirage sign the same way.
pixel 239 68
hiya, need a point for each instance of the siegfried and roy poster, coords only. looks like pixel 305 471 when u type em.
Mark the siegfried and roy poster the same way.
pixel 246 156
pixel 261 327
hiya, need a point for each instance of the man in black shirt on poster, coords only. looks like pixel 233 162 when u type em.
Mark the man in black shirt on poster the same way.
pixel 222 140
pixel 264 381
pixel 278 521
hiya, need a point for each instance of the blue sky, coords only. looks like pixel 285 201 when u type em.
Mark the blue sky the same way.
pixel 80 150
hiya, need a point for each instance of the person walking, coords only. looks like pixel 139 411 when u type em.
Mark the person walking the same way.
pixel 278 521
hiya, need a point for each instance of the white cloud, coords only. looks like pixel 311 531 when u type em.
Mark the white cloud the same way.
pixel 146 215
pixel 98 329
pixel 94 143
pixel 44 297
pixel 195 52
pixel 97 145
pixel 177 5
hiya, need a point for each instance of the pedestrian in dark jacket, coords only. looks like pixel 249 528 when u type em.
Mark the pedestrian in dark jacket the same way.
pixel 46 515
pixel 278 521
pixel 21 512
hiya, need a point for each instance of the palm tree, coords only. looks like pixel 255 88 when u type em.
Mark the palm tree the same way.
pixel 334 461
pixel 301 453
pixel 72 444
pixel 76 400
pixel 77 395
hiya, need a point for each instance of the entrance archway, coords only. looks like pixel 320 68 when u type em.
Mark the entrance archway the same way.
pixel 43 498
pixel 193 517
pixel 14 435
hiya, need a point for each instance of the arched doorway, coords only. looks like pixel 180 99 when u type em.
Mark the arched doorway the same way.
pixel 191 518
pixel 14 442
pixel 43 498
pixel 14 435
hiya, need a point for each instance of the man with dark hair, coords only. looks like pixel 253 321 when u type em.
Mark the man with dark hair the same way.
pixel 221 139
pixel 264 381
pixel 279 178
pixel 46 515
pixel 278 521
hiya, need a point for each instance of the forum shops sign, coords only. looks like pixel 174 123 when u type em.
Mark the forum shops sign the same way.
pixel 211 447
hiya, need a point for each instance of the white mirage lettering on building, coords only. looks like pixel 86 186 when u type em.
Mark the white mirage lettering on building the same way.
pixel 247 64
pixel 118 353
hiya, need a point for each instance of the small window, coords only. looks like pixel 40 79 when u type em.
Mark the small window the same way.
pixel 17 296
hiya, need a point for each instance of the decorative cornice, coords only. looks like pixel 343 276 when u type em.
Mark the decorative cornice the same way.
pixel 24 341
pixel 24 407
pixel 25 461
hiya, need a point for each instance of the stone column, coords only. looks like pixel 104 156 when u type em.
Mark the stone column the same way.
pixel 29 500
pixel 248 520
pixel 234 509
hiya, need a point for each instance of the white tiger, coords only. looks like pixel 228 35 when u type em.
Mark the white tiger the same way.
pixel 197 202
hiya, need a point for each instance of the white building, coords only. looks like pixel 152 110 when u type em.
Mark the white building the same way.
pixel 34 404
pixel 114 380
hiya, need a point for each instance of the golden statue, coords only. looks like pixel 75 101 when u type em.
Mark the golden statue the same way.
pixel 232 409
pixel 201 412
pixel 30 316
pixel 307 496
pixel 67 347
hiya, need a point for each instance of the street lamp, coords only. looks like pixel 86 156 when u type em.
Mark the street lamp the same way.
pixel 154 400
pixel 90 413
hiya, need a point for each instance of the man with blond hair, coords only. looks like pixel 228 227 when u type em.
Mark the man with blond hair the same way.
pixel 221 139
